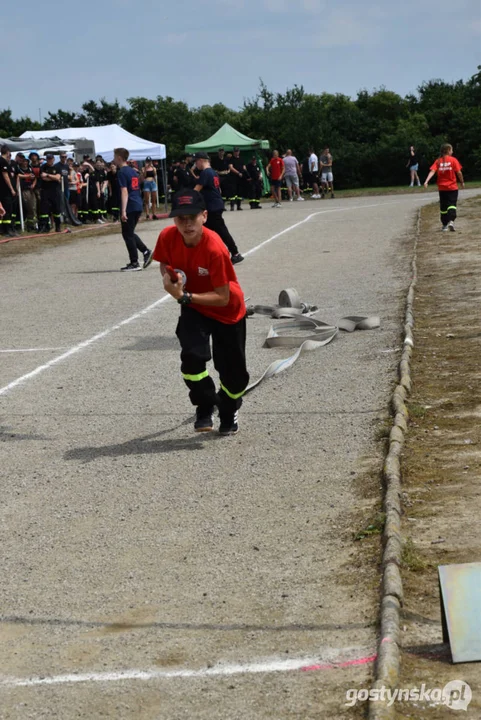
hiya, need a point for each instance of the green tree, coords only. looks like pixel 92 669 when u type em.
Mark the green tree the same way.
pixel 62 119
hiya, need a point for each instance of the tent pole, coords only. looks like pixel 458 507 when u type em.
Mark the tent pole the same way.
pixel 20 203
pixel 165 179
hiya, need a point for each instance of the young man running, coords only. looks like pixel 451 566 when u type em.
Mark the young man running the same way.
pixel 212 305
pixel 208 185
pixel 448 169
pixel 130 211
pixel 275 171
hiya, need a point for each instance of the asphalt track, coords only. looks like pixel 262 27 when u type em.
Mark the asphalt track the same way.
pixel 152 573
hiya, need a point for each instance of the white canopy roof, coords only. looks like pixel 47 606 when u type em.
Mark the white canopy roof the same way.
pixel 106 138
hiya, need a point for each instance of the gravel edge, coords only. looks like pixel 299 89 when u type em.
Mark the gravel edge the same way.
pixel 389 655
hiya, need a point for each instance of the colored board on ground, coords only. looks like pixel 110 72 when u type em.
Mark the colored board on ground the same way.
pixel 460 590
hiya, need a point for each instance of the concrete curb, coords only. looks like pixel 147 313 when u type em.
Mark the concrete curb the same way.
pixel 388 659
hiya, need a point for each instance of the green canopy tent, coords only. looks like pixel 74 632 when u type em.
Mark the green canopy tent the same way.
pixel 228 138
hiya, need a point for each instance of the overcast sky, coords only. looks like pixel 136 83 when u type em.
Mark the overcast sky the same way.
pixel 216 51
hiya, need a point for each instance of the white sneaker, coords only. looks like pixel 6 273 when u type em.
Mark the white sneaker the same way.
pixel 99 222
pixel 300 199
pixel 451 226
pixel 278 205
pixel 291 199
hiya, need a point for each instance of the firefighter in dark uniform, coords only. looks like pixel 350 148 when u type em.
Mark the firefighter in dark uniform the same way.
pixel 237 175
pixel 114 192
pixel 170 173
pixel 182 179
pixel 50 180
pixel 7 192
pixel 94 196
pixel 101 179
pixel 14 173
pixel 83 207
pixel 221 166
pixel 160 182
pixel 230 182
pixel 254 184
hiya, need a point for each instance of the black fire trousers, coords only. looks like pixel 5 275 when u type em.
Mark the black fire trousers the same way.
pixel 216 222
pixel 195 331
pixel 447 204
pixel 49 205
pixel 132 240
pixel 6 221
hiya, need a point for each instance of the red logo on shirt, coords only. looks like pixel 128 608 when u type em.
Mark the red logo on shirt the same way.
pixel 135 183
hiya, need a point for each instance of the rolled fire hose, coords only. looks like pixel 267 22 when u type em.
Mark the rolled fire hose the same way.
pixel 301 331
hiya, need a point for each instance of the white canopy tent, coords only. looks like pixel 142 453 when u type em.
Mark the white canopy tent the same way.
pixel 106 138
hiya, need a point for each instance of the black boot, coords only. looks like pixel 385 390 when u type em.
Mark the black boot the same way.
pixel 239 205
pixel 232 206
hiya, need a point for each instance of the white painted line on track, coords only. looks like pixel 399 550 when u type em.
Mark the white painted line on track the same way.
pixel 100 336
pixel 274 665
pixel 81 346
pixel 16 350
pixel 314 214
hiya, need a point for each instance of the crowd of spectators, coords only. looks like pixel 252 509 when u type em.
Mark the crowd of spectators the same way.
pixel 46 187
pixel 288 178
pixel 90 188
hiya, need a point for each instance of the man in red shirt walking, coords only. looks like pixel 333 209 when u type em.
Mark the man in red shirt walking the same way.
pixel 448 170
pixel 212 305
pixel 275 171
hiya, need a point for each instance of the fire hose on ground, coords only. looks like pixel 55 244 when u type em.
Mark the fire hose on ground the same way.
pixel 301 330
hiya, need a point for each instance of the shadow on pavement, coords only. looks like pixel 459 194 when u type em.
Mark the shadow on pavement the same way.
pixel 7 435
pixel 154 343
pixel 147 445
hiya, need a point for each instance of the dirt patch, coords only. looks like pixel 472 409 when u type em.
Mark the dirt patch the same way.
pixel 442 458
pixel 24 245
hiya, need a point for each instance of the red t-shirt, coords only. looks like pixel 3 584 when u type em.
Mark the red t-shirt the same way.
pixel 277 166
pixel 206 266
pixel 446 168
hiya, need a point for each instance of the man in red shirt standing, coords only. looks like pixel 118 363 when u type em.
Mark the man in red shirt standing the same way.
pixel 448 169
pixel 275 171
pixel 212 305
